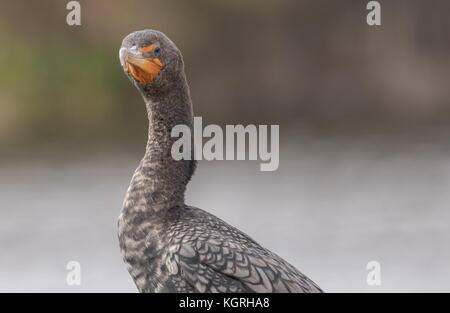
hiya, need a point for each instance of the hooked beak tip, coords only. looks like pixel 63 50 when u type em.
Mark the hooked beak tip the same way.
pixel 122 56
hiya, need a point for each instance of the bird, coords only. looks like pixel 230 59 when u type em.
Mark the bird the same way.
pixel 170 246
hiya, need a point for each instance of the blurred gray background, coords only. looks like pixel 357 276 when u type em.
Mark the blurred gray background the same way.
pixel 364 118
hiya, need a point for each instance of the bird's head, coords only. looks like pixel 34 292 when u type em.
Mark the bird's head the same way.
pixel 150 60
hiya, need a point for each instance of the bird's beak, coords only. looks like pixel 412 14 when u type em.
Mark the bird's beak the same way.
pixel 141 68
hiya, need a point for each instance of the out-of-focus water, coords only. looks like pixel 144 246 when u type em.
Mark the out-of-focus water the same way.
pixel 332 206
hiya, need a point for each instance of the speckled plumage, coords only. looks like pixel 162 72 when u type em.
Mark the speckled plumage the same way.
pixel 167 245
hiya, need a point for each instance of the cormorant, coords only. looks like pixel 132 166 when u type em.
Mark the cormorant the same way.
pixel 168 245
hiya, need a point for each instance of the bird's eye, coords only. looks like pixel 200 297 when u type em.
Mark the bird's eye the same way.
pixel 157 51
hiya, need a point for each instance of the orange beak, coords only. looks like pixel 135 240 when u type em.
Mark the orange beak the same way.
pixel 141 68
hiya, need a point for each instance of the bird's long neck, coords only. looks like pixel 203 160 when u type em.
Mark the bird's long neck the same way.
pixel 159 182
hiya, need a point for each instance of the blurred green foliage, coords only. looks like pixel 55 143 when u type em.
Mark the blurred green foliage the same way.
pixel 64 90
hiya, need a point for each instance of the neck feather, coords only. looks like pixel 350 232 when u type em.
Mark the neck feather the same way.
pixel 159 182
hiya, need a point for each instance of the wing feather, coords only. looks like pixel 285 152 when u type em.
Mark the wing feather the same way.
pixel 216 257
